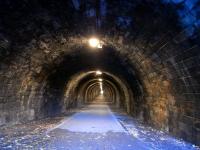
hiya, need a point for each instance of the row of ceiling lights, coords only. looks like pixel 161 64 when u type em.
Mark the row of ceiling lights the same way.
pixel 100 82
pixel 96 43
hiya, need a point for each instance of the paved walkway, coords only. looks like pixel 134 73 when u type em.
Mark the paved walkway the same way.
pixel 94 119
pixel 96 128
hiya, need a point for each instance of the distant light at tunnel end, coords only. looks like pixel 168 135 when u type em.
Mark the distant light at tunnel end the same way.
pixel 101 92
pixel 95 43
pixel 100 80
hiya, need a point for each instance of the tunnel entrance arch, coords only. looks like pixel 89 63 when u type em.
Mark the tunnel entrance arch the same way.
pixel 55 77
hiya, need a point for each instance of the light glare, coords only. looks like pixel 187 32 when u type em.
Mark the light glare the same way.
pixel 100 80
pixel 101 92
pixel 98 72
pixel 99 45
pixel 94 42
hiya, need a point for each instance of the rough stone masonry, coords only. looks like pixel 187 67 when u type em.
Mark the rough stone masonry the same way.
pixel 41 44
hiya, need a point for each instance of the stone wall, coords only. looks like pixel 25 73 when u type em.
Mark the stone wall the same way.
pixel 162 60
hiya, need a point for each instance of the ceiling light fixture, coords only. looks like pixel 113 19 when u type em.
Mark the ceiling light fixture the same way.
pixel 100 80
pixel 95 43
pixel 98 72
pixel 101 91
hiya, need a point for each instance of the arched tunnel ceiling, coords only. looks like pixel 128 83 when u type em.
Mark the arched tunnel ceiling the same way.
pixel 151 45
pixel 86 80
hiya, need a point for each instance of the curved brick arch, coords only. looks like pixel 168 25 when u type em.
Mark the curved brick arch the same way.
pixel 164 65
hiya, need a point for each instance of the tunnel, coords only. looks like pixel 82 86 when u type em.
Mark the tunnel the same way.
pixel 100 74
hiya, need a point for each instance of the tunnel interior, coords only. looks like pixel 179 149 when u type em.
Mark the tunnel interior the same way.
pixel 147 62
pixel 76 78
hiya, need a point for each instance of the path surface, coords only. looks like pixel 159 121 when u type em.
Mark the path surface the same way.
pixel 93 119
pixel 94 127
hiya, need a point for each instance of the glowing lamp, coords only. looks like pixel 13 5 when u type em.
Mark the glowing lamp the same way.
pixel 98 72
pixel 95 43
pixel 101 92
pixel 100 80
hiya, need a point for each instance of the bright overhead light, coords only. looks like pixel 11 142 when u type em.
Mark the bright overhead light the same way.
pixel 95 43
pixel 101 92
pixel 100 80
pixel 98 72
pixel 99 45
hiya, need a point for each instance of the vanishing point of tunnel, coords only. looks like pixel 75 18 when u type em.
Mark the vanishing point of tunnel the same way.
pixel 99 74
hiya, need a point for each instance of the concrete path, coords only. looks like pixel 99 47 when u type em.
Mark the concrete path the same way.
pixel 93 128
pixel 93 119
